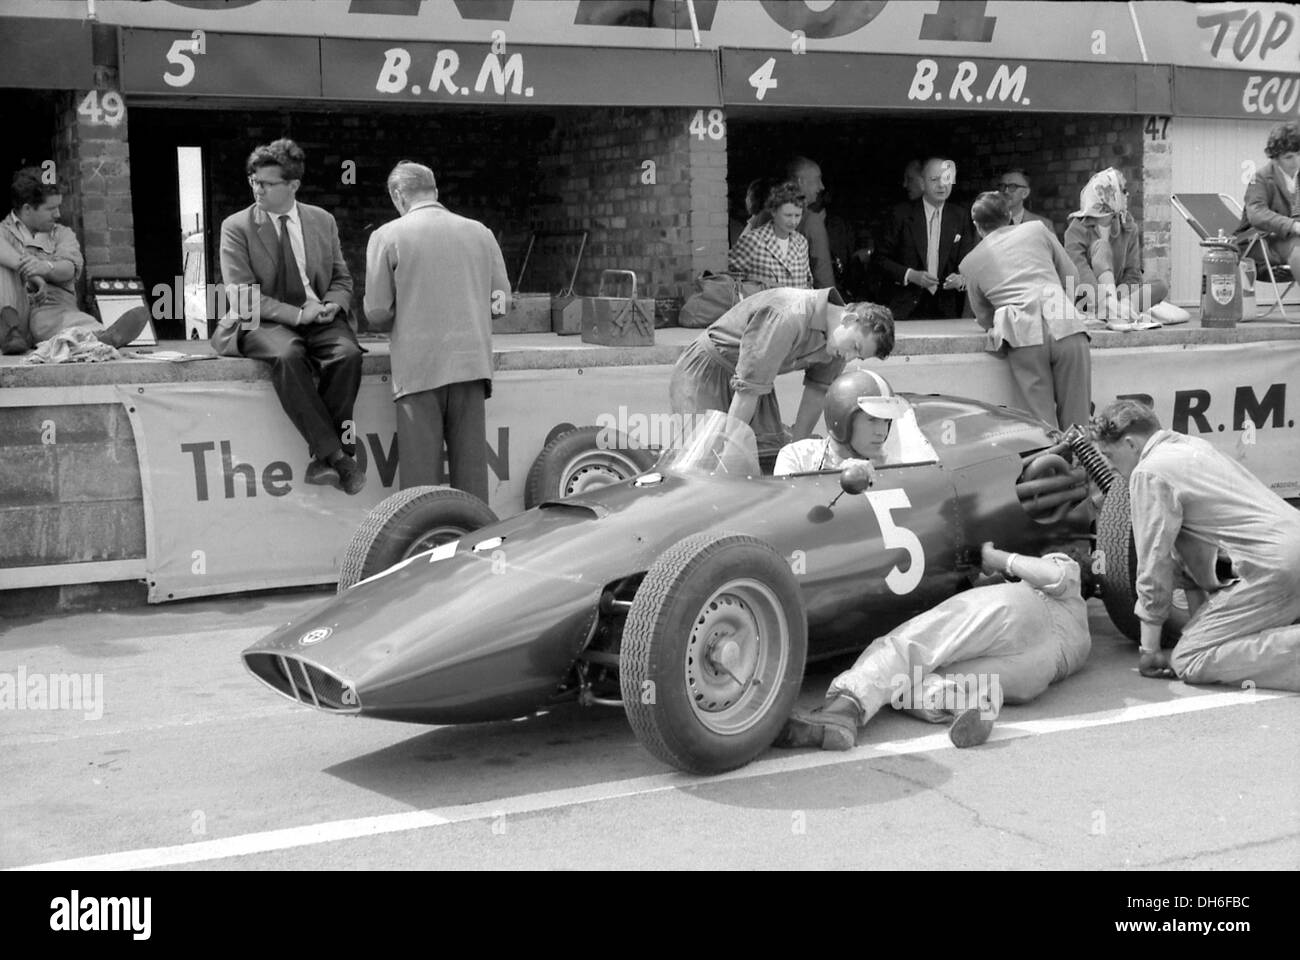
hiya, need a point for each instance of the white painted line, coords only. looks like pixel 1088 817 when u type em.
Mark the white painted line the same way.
pixel 338 830
pixel 1137 29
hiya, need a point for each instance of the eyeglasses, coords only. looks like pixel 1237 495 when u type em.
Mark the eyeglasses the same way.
pixel 1013 186
pixel 265 184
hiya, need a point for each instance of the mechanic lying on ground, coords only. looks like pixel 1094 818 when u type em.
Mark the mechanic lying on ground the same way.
pixel 1189 502
pixel 960 661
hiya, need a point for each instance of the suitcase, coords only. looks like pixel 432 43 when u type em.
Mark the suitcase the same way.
pixel 618 321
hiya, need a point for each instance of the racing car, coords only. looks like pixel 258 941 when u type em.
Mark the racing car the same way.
pixel 691 595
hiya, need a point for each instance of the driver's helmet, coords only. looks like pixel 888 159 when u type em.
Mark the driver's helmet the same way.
pixel 842 398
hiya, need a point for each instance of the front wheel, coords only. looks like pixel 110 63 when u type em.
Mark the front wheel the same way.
pixel 713 652
pixel 409 522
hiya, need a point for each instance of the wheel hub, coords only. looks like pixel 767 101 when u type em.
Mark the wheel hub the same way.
pixel 723 653
pixel 433 538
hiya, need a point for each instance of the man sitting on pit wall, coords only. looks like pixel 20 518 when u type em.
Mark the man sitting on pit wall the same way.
pixel 40 261
pixel 1189 503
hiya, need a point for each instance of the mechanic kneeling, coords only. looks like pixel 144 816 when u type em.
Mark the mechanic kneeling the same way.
pixel 963 659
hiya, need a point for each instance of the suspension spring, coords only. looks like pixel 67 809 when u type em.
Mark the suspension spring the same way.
pixel 1098 467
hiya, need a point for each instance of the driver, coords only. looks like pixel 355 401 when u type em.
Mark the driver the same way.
pixel 860 408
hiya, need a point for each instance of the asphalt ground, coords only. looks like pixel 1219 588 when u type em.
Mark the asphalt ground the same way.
pixel 195 765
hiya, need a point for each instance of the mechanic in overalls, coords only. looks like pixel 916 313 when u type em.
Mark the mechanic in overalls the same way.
pixel 733 365
pixel 1189 504
pixel 959 662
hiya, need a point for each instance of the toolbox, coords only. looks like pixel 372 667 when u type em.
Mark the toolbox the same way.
pixel 617 321
pixel 532 312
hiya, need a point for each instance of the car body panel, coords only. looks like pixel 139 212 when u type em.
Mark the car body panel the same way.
pixel 491 628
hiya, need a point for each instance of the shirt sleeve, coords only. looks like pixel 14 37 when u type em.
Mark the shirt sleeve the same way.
pixel 1067 581
pixel 67 248
pixel 823 374
pixel 1157 518
pixel 769 337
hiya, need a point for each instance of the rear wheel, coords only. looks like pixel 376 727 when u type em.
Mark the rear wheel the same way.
pixel 1117 570
pixel 713 652
pixel 410 522
pixel 582 460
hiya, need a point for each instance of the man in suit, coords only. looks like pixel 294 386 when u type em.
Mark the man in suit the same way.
pixel 1273 200
pixel 436 278
pixel 926 240
pixel 1016 279
pixel 1014 187
pixel 289 254
pixel 808 175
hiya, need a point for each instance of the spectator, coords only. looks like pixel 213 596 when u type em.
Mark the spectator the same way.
pixel 913 180
pixel 756 195
pixel 733 364
pixel 1007 642
pixel 774 254
pixel 291 252
pixel 808 175
pixel 1015 189
pixel 1103 243
pixel 434 278
pixel 1190 503
pixel 1016 280
pixel 926 240
pixel 40 261
pixel 1272 203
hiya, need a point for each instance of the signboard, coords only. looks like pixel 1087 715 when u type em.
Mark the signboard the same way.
pixel 226 508
pixel 1232 36
pixel 1240 94
pixel 401 72
pixel 240 65
pixel 940 83
pixel 45 55
pixel 219 64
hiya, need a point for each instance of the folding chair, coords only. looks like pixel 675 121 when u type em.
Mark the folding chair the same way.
pixel 1211 214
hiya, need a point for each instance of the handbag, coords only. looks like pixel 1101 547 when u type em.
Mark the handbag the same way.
pixel 715 294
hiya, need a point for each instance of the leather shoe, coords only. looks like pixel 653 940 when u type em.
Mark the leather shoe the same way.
pixel 351 477
pixel 971 728
pixel 12 337
pixel 126 329
pixel 322 473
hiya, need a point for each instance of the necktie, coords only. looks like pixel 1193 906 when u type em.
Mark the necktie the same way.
pixel 288 277
pixel 932 245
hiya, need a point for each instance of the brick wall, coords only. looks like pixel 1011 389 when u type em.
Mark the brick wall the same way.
pixel 516 172
pixel 94 162
pixel 71 479
pixel 666 231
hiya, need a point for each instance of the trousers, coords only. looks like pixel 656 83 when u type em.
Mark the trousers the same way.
pixel 454 415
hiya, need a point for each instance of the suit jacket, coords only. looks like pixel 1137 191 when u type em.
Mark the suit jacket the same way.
pixel 250 254
pixel 434 277
pixel 1016 278
pixel 904 247
pixel 1267 207
pixel 813 228
pixel 757 257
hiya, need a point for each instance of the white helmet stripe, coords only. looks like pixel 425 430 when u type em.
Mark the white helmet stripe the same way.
pixel 885 390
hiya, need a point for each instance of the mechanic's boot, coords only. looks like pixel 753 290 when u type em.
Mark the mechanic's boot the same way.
pixel 126 329
pixel 832 726
pixel 13 338
pixel 971 727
